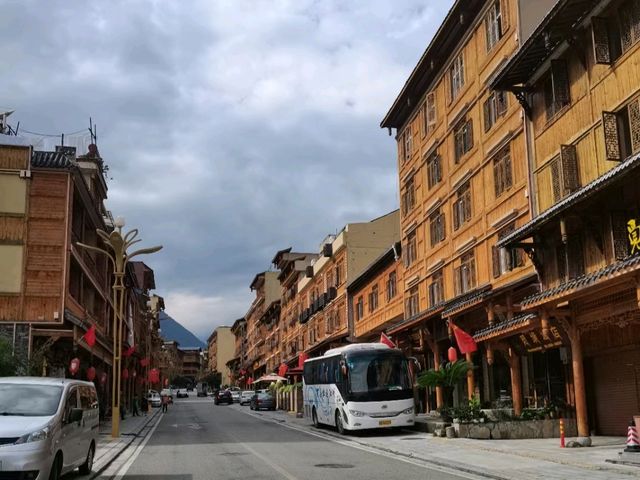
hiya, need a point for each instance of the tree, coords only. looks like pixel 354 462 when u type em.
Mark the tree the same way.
pixel 8 363
pixel 447 377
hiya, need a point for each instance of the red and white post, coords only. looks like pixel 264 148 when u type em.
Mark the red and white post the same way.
pixel 561 433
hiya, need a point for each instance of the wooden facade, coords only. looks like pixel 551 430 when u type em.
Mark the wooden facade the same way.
pixel 582 100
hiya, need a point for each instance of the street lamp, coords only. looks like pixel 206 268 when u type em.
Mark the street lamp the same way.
pixel 119 258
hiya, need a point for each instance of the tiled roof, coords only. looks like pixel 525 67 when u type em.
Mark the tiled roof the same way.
pixel 416 318
pixel 504 327
pixel 50 160
pixel 610 271
pixel 585 192
pixel 466 300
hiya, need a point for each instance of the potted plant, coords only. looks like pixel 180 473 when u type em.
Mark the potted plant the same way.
pixel 447 377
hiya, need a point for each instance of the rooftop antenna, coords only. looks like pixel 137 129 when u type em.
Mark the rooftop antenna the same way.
pixel 93 131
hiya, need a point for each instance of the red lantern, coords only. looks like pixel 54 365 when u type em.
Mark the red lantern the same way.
pixel 154 375
pixel 103 378
pixel 452 354
pixel 74 366
pixel 91 373
pixel 125 373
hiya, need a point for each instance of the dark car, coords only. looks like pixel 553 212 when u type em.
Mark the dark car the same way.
pixel 223 396
pixel 263 400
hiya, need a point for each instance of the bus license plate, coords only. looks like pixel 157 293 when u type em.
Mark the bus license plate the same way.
pixel 384 422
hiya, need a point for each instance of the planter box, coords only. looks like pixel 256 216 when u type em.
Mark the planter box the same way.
pixel 516 429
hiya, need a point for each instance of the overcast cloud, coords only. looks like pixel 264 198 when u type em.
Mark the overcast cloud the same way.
pixel 232 129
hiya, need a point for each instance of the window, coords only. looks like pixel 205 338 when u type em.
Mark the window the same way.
pixel 11 268
pixel 493 25
pixel 392 287
pixel 373 298
pixel 564 172
pixel 411 248
pixel 436 289
pixel 629 15
pixel 462 138
pixel 13 194
pixel 408 196
pixel 462 206
pixel 502 173
pixel 456 76
pixel 408 143
pixel 622 131
pixel 495 106
pixel 465 274
pixel 434 170
pixel 429 113
pixel 413 303
pixel 556 88
pixel 338 273
pixel 505 260
pixel 359 308
pixel 436 227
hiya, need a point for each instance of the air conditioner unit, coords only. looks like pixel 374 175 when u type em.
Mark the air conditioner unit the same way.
pixel 309 271
pixel 327 250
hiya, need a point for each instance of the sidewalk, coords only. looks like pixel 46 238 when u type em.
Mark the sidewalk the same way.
pixel 108 449
pixel 497 459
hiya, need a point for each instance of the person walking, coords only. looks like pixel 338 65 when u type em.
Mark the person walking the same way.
pixel 165 403
pixel 134 406
pixel 144 405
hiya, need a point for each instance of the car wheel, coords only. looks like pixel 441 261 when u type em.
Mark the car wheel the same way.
pixel 87 466
pixel 314 418
pixel 56 466
pixel 340 425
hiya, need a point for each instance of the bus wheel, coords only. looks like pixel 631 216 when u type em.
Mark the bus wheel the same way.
pixel 314 417
pixel 339 424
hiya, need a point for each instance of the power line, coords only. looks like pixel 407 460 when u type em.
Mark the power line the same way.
pixel 84 130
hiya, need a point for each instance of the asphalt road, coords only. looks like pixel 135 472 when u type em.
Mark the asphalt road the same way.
pixel 197 440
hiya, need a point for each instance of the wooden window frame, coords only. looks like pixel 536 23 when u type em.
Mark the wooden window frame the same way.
pixel 493 25
pixel 456 76
pixel 462 139
pixel 436 288
pixel 412 306
pixel 462 206
pixel 557 88
pixel 392 285
pixel 437 227
pixel 434 170
pixel 412 245
pixel 465 273
pixel 494 108
pixel 408 196
pixel 502 171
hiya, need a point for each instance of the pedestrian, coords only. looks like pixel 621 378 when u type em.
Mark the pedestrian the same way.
pixel 144 405
pixel 165 403
pixel 134 409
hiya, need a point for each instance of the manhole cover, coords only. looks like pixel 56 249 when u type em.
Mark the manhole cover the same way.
pixel 233 454
pixel 333 465
pixel 411 438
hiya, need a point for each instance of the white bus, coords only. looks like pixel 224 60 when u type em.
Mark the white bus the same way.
pixel 359 386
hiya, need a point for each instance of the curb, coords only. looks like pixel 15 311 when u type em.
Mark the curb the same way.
pixel 97 473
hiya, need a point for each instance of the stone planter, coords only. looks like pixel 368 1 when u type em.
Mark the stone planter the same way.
pixel 516 429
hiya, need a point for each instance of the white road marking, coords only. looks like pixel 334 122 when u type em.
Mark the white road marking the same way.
pixel 266 460
pixel 359 446
pixel 127 465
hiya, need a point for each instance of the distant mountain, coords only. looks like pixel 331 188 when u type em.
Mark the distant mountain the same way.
pixel 173 331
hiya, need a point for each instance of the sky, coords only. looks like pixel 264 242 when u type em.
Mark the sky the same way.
pixel 231 129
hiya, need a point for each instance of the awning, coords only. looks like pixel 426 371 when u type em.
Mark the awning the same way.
pixel 467 300
pixel 506 328
pixel 270 378
pixel 582 194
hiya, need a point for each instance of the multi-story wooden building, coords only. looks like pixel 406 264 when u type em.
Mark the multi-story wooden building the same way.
pixel 267 288
pixel 577 79
pixel 239 360
pixel 463 186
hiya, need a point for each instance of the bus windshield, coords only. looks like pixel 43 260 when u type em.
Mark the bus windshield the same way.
pixel 380 377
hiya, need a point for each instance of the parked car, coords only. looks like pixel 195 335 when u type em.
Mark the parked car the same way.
pixel 245 397
pixel 154 399
pixel 223 396
pixel 167 392
pixel 235 394
pixel 182 393
pixel 49 426
pixel 263 400
pixel 201 389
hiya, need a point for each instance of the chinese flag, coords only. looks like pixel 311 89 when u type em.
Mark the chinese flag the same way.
pixel 301 358
pixel 90 336
pixel 282 370
pixel 465 342
pixel 386 340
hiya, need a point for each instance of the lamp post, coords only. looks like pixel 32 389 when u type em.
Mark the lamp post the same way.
pixel 118 245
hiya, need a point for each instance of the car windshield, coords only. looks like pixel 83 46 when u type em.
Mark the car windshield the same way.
pixel 29 400
pixel 375 373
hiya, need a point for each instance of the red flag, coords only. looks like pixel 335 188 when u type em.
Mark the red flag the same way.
pixel 282 370
pixel 386 340
pixel 465 342
pixel 301 358
pixel 90 336
pixel 250 381
pixel 144 362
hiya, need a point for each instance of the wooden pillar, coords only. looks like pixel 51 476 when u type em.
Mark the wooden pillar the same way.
pixel 471 382
pixel 516 381
pixel 436 366
pixel 578 382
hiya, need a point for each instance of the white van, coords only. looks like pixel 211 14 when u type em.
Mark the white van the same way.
pixel 48 426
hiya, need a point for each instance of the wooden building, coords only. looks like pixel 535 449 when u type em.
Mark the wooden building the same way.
pixel 463 180
pixel 577 79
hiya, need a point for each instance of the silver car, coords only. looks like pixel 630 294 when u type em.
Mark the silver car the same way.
pixel 48 427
